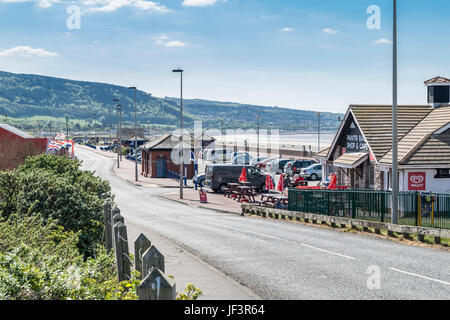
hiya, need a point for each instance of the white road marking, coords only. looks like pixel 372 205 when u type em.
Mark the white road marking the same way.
pixel 419 276
pixel 331 252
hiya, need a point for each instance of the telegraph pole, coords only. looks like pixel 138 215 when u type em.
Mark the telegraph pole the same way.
pixel 135 134
pixel 67 128
pixel 257 148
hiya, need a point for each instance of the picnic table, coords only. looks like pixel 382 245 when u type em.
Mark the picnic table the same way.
pixel 232 191
pixel 274 199
pixel 246 194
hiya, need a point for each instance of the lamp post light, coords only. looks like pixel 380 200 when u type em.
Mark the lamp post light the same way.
pixel 135 134
pixel 119 128
pixel 318 132
pixel 257 148
pixel 395 180
pixel 180 71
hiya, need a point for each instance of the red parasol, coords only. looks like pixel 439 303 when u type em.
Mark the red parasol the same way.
pixel 243 177
pixel 280 186
pixel 269 183
pixel 333 183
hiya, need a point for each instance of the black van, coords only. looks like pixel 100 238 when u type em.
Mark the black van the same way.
pixel 219 175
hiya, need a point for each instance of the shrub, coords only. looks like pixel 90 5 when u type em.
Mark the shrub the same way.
pixel 53 187
pixel 44 263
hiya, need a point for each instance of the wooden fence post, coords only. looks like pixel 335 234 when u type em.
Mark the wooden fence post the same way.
pixel 141 245
pixel 122 253
pixel 156 286
pixel 150 259
pixel 108 225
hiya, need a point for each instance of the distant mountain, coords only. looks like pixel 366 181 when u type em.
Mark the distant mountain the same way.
pixel 26 96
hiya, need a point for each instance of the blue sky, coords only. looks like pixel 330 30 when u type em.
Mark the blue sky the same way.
pixel 306 54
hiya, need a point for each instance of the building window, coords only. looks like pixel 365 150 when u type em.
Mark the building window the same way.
pixel 442 173
pixel 372 176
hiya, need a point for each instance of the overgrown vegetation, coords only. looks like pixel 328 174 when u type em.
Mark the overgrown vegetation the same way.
pixel 51 223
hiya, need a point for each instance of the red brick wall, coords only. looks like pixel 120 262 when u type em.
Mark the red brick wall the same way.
pixel 15 149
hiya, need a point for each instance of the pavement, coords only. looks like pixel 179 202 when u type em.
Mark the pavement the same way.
pixel 272 259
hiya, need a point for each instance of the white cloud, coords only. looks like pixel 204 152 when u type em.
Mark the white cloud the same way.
pixel 41 3
pixel 287 29
pixel 200 3
pixel 26 52
pixel 103 5
pixel 175 43
pixel 382 41
pixel 330 31
pixel 113 5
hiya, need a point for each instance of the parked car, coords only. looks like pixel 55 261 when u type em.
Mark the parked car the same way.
pixel 295 166
pixel 199 179
pixel 277 166
pixel 313 172
pixel 108 148
pixel 263 163
pixel 242 158
pixel 219 155
pixel 255 160
pixel 219 175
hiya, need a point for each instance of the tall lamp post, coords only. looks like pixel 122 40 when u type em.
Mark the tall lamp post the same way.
pixel 180 71
pixel 395 182
pixel 318 132
pixel 135 135
pixel 119 129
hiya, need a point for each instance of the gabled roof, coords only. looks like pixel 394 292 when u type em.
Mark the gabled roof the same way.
pixel 131 137
pixel 420 134
pixel 350 160
pixel 323 153
pixel 438 79
pixel 16 131
pixel 375 123
pixel 435 150
pixel 166 142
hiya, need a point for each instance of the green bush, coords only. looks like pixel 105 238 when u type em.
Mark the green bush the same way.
pixel 44 263
pixel 53 187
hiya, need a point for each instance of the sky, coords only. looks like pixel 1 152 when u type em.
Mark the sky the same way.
pixel 304 54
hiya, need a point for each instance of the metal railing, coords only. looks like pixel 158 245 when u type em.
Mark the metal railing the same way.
pixel 416 209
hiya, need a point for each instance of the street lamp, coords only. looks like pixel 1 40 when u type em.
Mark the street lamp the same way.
pixel 135 134
pixel 395 182
pixel 257 148
pixel 119 129
pixel 318 132
pixel 180 71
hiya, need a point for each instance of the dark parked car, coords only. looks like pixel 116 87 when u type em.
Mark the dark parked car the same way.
pixel 219 175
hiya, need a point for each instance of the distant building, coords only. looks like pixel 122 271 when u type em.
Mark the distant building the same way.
pixel 158 155
pixel 361 153
pixel 130 139
pixel 16 146
pixel 130 131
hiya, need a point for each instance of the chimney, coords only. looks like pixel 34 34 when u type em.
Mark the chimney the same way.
pixel 438 91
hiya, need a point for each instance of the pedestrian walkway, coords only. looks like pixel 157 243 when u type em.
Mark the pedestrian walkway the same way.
pixel 216 201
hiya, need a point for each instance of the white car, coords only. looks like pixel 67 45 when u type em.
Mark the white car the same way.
pixel 220 155
pixel 313 172
pixel 242 158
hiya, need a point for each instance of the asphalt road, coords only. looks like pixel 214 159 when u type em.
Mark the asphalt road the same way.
pixel 282 260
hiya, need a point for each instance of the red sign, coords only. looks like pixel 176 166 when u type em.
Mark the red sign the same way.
pixel 203 197
pixel 417 181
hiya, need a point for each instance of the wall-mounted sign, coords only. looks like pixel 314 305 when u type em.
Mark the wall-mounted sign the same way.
pixel 354 140
pixel 384 168
pixel 417 181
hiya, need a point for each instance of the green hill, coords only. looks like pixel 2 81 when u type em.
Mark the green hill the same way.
pixel 28 98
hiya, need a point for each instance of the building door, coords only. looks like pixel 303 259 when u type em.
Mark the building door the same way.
pixel 161 168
